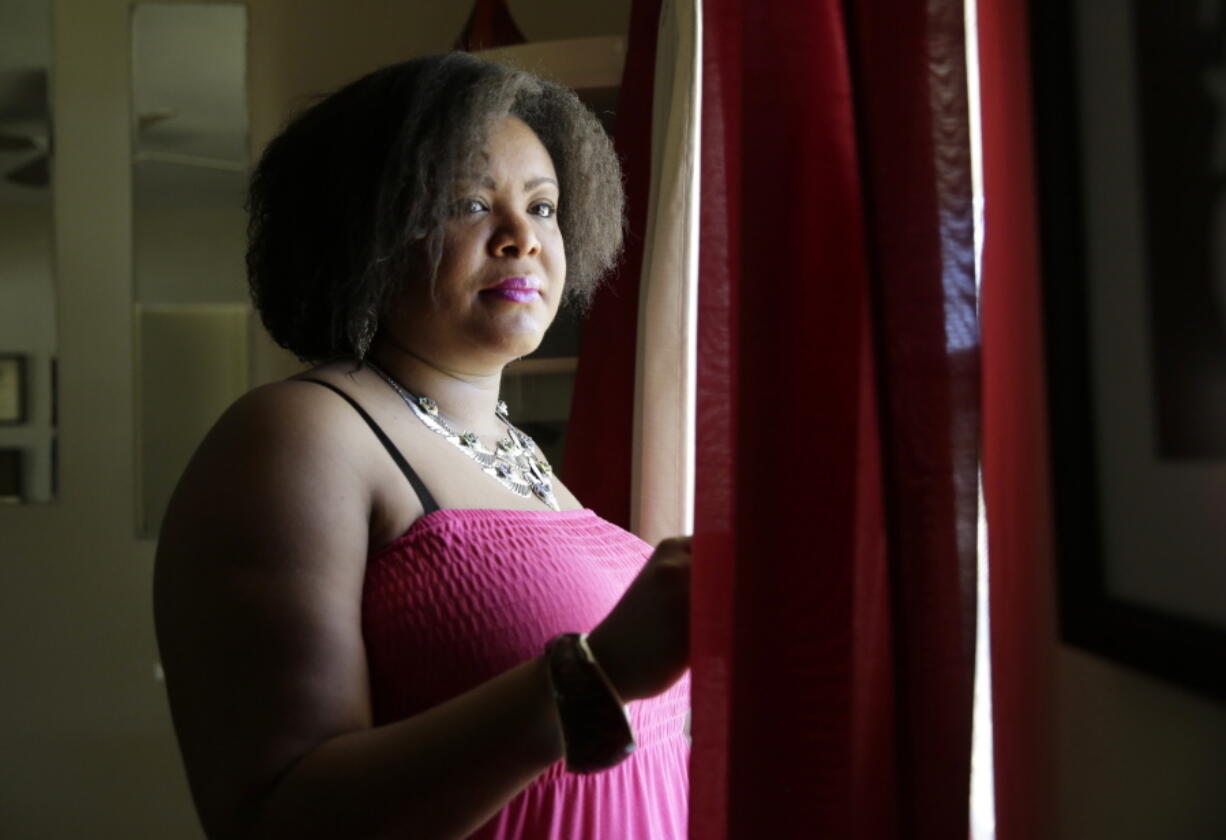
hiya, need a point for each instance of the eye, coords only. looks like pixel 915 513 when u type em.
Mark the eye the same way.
pixel 470 206
pixel 544 209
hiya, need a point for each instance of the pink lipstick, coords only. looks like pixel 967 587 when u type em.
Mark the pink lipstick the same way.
pixel 516 290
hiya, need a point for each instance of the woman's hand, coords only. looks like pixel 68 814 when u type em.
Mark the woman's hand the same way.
pixel 643 644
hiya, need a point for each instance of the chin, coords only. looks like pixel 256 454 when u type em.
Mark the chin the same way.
pixel 520 349
pixel 508 348
pixel 519 340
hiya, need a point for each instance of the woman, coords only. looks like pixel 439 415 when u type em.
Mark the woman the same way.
pixel 369 587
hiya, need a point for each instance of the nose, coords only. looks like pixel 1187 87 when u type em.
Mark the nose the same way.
pixel 514 237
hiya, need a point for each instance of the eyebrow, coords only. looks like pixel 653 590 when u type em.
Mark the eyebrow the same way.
pixel 531 183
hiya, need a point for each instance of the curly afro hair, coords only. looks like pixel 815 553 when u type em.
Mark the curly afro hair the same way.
pixel 350 199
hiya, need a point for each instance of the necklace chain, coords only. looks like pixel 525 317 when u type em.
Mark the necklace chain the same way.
pixel 513 463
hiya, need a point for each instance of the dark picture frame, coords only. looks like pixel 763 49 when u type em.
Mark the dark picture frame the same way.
pixel 1153 603
pixel 12 475
pixel 14 389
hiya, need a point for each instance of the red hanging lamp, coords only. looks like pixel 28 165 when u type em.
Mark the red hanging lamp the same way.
pixel 489 25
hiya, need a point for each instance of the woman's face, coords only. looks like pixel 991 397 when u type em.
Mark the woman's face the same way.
pixel 503 265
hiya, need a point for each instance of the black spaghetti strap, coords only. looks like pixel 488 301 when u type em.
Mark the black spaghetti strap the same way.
pixel 427 501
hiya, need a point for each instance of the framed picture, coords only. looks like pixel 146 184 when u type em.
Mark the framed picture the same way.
pixel 12 389
pixel 1130 128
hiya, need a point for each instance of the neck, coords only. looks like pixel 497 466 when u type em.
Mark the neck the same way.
pixel 466 399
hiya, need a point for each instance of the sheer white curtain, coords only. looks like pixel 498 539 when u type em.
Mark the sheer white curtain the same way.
pixel 662 481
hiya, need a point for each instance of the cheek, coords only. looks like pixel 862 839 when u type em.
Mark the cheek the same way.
pixel 462 249
pixel 412 306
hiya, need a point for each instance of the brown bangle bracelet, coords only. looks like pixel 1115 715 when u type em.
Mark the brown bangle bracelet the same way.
pixel 595 727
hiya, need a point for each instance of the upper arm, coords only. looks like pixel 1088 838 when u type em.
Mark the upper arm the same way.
pixel 257 595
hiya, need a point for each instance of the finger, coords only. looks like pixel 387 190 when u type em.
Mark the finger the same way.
pixel 675 544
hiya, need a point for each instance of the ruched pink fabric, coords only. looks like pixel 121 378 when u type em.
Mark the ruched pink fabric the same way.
pixel 464 595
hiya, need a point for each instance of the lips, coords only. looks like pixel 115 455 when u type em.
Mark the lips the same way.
pixel 515 289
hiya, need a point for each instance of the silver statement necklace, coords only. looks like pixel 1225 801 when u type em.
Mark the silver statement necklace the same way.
pixel 513 463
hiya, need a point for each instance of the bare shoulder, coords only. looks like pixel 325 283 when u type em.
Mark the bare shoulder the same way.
pixel 290 418
pixel 280 458
pixel 274 507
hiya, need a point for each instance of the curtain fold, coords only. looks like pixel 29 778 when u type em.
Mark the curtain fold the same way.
pixel 713 610
pixel 1015 456
pixel 781 513
pixel 600 432
pixel 911 92
pixel 833 614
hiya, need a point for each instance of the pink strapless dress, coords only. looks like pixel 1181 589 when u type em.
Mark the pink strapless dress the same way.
pixel 467 594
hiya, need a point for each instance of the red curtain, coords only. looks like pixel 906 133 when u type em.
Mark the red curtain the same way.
pixel 1015 457
pixel 834 557
pixel 600 432
pixel 833 615
pixel 911 89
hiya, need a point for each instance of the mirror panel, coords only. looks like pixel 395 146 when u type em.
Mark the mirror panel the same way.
pixel 27 282
pixel 189 180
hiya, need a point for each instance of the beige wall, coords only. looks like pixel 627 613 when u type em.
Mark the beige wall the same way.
pixel 86 749
pixel 1138 758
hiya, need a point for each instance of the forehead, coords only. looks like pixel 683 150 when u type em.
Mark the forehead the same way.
pixel 512 150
